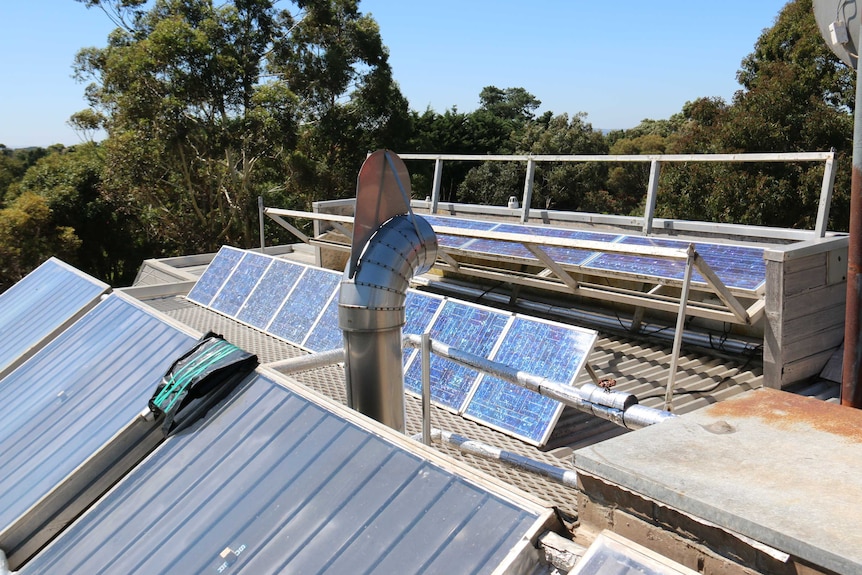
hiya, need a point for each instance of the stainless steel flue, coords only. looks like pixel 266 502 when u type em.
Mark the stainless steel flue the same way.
pixel 390 246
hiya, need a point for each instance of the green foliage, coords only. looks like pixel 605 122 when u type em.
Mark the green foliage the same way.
pixel 797 97
pixel 28 236
pixel 110 246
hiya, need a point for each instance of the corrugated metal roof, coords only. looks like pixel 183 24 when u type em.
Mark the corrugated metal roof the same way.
pixel 69 399
pixel 47 299
pixel 274 483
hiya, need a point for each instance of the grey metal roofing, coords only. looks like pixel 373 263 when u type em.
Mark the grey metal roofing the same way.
pixel 69 399
pixel 46 300
pixel 272 482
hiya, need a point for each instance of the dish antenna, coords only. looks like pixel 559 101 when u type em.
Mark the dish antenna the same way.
pixel 838 21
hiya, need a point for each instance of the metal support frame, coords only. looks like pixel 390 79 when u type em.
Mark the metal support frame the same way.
pixel 435 189
pixel 680 326
pixel 652 194
pixel 528 190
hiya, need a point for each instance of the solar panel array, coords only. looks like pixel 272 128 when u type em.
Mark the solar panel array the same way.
pixel 299 304
pixel 739 267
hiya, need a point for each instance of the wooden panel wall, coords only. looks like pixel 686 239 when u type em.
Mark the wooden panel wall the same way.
pixel 805 299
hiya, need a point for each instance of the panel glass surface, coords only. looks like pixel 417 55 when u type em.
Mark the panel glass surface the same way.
pixel 569 256
pixel 457 241
pixel 326 334
pixel 240 283
pixel 215 275
pixel 553 351
pixel 472 329
pixel 76 393
pixel 297 315
pixel 43 301
pixel 269 293
pixel 273 483
pixel 739 267
pixel 419 309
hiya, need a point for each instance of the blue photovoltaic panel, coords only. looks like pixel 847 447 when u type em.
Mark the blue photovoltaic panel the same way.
pixel 326 334
pixel 215 275
pixel 420 309
pixel 457 241
pixel 737 266
pixel 42 302
pixel 76 393
pixel 270 292
pixel 240 283
pixel 556 352
pixel 297 315
pixel 570 256
pixel 469 328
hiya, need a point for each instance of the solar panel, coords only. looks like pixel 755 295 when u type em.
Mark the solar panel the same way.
pixel 215 275
pixel 299 312
pixel 240 283
pixel 554 351
pixel 270 292
pixel 469 328
pixel 448 241
pixel 273 483
pixel 739 267
pixel 76 393
pixel 41 304
pixel 570 256
pixel 326 334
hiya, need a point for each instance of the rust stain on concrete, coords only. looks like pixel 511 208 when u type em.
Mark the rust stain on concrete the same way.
pixel 785 410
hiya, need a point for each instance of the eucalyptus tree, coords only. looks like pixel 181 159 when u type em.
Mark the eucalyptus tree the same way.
pixel 207 106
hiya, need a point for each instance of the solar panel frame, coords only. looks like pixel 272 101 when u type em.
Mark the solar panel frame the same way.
pixel 420 309
pixel 300 311
pixel 539 347
pixel 738 267
pixel 288 485
pixel 278 281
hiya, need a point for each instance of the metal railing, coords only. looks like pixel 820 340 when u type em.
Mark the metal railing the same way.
pixel 655 161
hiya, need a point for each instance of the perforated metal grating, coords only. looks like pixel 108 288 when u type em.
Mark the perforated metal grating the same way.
pixel 639 367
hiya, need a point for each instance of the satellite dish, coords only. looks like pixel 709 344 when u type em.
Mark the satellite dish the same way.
pixel 838 21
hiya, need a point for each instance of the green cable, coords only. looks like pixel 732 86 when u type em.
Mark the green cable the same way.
pixel 193 368
pixel 190 375
pixel 180 380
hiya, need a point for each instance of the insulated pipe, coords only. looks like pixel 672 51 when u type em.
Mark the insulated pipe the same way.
pixel 609 405
pixel 564 476
pixel 371 314
pixel 307 362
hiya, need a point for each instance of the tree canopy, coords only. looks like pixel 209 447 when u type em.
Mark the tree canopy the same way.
pixel 207 106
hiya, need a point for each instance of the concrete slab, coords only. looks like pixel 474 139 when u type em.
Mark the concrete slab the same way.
pixel 779 468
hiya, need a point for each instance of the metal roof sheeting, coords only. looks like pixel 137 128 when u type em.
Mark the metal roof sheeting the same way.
pixel 273 482
pixel 47 299
pixel 68 400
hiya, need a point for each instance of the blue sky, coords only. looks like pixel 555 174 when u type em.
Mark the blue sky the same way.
pixel 619 62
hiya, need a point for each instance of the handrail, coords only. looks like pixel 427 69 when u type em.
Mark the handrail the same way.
pixel 655 161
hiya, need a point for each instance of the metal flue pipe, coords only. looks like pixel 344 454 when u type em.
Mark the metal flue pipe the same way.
pixel 371 314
